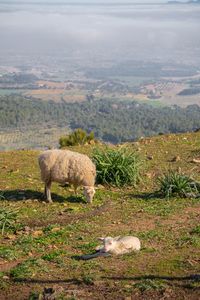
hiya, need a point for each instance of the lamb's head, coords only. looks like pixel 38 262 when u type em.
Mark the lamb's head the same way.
pixel 89 192
pixel 109 244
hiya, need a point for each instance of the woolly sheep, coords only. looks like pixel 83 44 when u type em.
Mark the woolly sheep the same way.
pixel 119 245
pixel 64 166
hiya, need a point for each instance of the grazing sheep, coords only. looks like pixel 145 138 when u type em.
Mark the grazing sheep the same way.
pixel 66 166
pixel 119 245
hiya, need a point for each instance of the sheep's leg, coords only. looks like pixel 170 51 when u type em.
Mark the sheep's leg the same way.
pixel 75 189
pixel 48 191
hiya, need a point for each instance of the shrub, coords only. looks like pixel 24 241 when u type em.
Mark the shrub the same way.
pixel 78 137
pixel 118 167
pixel 176 184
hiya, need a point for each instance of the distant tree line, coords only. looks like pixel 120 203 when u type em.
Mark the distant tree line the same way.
pixel 113 121
pixel 18 78
pixel 190 91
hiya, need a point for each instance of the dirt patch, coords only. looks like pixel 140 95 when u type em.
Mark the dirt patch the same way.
pixel 6 266
pixel 184 219
pixel 68 219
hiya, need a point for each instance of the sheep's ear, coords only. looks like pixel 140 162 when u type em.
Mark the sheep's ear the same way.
pixel 117 238
pixel 101 239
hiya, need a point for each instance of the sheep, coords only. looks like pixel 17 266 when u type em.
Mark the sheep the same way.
pixel 119 245
pixel 64 166
pixel 116 246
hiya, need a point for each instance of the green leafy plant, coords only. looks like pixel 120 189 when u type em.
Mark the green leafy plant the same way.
pixel 118 167
pixel 54 256
pixel 150 284
pixel 78 137
pixel 7 219
pixel 176 184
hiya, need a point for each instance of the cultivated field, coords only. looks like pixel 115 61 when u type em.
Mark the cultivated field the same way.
pixel 31 138
pixel 42 250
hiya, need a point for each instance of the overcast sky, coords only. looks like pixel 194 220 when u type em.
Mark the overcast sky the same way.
pixel 92 1
pixel 140 31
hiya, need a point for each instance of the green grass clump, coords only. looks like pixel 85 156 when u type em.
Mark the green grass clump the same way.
pixel 150 284
pixel 25 269
pixel 175 184
pixel 53 256
pixel 196 230
pixel 7 219
pixel 118 167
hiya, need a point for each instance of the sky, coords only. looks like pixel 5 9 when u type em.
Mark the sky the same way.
pixel 90 1
pixel 148 32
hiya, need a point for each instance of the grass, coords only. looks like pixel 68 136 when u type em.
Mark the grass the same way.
pixel 149 284
pixel 44 251
pixel 118 167
pixel 176 184
pixel 7 219
pixel 25 269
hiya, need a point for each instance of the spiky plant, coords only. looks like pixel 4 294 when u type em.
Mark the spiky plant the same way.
pixel 175 183
pixel 118 167
pixel 7 219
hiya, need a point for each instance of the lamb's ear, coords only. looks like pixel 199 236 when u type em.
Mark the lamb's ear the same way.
pixel 100 239
pixel 117 238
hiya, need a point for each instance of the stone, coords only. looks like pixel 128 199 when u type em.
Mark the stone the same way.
pixel 176 158
pixel 37 233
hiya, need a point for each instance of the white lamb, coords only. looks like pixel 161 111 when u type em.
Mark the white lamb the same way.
pixel 119 245
pixel 64 166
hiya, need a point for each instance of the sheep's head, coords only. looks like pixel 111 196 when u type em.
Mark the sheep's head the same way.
pixel 89 192
pixel 109 244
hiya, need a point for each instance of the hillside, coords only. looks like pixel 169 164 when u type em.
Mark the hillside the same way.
pixel 41 251
pixel 112 121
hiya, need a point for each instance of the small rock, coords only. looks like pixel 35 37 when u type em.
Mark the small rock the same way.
pixel 10 237
pixel 37 233
pixel 196 160
pixel 149 157
pixel 128 298
pixel 150 175
pixel 100 186
pixel 52 293
pixel 27 229
pixel 176 158
pixel 55 229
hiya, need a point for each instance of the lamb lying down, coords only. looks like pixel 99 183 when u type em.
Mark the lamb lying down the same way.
pixel 120 245
pixel 116 246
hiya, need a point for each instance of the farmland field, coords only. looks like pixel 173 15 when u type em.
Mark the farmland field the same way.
pixel 31 138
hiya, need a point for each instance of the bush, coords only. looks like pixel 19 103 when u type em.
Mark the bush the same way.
pixel 118 167
pixel 176 184
pixel 78 137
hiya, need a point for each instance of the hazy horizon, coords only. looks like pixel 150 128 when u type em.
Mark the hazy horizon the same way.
pixel 146 32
